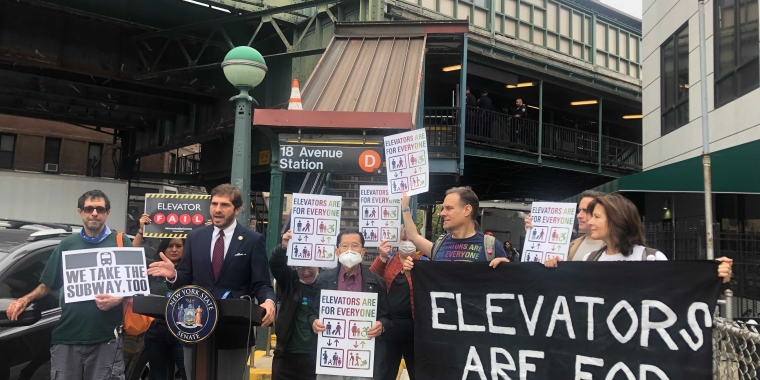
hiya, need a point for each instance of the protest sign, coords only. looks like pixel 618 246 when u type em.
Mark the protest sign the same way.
pixel 612 320
pixel 175 215
pixel 315 223
pixel 344 349
pixel 379 216
pixel 551 233
pixel 406 161
pixel 120 272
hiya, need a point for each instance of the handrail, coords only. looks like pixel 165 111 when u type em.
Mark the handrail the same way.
pixel 505 132
pixel 317 186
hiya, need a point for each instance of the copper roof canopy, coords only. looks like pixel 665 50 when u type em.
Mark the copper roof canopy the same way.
pixel 368 78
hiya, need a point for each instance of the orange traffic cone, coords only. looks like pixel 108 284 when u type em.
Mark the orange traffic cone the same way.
pixel 295 97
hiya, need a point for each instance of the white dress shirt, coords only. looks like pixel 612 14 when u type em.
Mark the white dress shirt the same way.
pixel 228 232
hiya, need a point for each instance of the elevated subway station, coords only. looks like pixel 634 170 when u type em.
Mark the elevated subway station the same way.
pixel 367 69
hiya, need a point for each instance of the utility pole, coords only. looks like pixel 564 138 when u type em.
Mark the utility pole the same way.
pixel 705 134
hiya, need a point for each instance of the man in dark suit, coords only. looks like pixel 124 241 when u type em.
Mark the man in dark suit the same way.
pixel 230 261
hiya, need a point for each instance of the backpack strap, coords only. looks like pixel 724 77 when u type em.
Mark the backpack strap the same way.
pixel 489 242
pixel 437 245
pixel 649 252
pixel 120 239
pixel 594 256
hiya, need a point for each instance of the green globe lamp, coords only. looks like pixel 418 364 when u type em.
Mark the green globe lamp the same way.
pixel 245 68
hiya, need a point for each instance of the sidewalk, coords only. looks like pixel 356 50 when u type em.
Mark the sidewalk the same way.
pixel 262 368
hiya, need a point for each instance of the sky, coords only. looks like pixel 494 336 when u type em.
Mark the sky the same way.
pixel 632 7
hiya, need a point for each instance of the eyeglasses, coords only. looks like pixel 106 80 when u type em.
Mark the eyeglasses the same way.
pixel 90 209
pixel 353 246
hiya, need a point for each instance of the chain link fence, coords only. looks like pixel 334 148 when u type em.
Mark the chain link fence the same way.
pixel 735 345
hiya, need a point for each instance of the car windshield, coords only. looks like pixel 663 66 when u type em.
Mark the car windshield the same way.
pixel 10 238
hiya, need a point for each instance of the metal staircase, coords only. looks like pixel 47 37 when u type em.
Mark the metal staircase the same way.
pixel 260 211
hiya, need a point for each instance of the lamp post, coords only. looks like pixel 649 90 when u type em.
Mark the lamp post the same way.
pixel 245 68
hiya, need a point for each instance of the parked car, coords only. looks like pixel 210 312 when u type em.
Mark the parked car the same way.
pixel 26 349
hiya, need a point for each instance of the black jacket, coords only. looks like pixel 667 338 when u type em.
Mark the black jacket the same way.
pixel 245 271
pixel 371 283
pixel 471 102
pixel 484 103
pixel 289 294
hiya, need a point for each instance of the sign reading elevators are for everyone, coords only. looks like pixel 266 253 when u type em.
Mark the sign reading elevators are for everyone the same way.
pixel 379 216
pixel 406 161
pixel 344 349
pixel 315 223
pixel 119 272
pixel 551 232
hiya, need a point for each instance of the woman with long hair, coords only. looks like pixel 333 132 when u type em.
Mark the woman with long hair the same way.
pixel 616 221
pixel 512 255
pixel 163 348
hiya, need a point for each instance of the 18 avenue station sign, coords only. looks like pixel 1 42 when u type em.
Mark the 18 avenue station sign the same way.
pixel 331 159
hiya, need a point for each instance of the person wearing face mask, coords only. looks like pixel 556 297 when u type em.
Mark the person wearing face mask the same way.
pixel 352 276
pixel 294 354
pixel 399 340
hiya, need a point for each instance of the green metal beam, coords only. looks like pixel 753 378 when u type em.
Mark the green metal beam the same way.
pixel 600 137
pixel 276 192
pixel 523 65
pixel 547 162
pixel 540 118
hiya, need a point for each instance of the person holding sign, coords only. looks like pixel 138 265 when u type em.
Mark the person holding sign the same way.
pixel 144 221
pixel 583 244
pixel 86 342
pixel 352 276
pixel 400 337
pixel 616 221
pixel 230 261
pixel 463 243
pixel 294 354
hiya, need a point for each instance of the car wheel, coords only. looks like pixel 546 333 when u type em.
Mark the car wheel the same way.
pixel 141 370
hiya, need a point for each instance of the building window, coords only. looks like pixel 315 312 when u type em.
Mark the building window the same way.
pixel 94 155
pixel 7 147
pixel 172 163
pixel 675 80
pixel 52 150
pixel 736 49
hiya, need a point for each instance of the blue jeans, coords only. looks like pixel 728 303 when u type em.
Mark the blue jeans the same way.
pixel 164 352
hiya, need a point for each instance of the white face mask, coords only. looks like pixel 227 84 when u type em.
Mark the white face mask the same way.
pixel 350 258
pixel 406 247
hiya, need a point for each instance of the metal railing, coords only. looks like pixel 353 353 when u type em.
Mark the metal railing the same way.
pixel 685 241
pixel 190 164
pixel 442 129
pixel 502 131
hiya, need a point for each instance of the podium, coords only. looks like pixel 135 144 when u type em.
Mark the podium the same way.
pixel 231 311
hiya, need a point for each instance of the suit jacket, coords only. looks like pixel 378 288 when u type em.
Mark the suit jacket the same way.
pixel 245 272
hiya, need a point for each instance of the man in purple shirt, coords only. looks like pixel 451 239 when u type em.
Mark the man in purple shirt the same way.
pixel 352 276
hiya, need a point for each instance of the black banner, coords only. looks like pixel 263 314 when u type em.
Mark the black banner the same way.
pixel 607 321
pixel 175 215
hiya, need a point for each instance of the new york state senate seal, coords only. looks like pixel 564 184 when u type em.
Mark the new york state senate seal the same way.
pixel 191 314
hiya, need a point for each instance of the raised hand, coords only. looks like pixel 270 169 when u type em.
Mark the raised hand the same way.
pixel 286 237
pixel 163 268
